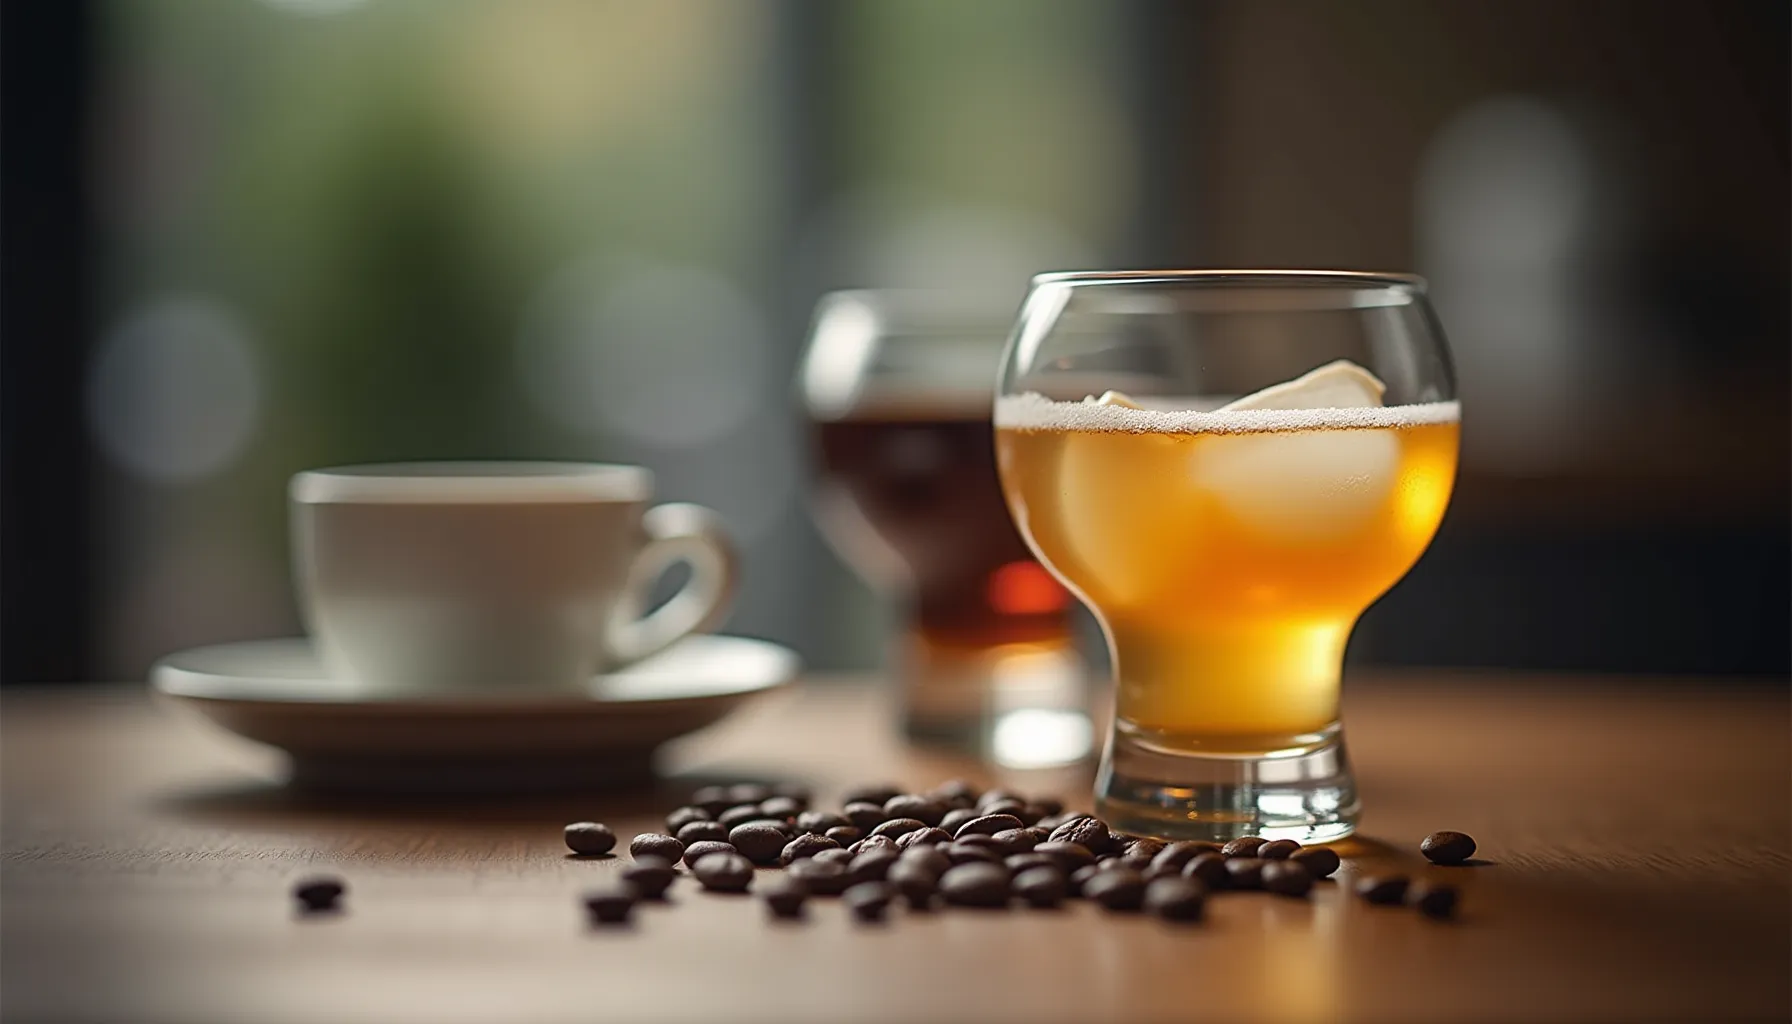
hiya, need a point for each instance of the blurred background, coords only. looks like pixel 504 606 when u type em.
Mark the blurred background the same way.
pixel 243 237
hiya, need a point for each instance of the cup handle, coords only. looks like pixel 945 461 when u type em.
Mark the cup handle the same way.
pixel 675 533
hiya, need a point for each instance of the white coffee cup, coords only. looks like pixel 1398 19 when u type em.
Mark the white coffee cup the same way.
pixel 456 577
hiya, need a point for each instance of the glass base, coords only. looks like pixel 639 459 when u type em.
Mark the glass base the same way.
pixel 1016 705
pixel 1305 793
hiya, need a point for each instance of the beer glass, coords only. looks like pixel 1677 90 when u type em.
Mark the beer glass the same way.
pixel 898 386
pixel 1227 467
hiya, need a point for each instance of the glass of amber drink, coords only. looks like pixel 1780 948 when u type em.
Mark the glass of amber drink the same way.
pixel 1228 468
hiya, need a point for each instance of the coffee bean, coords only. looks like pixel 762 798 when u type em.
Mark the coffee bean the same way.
pixel 724 872
pixel 1447 847
pixel 1286 878
pixel 1090 833
pixel 321 892
pixel 1027 861
pixel 649 876
pixel 610 905
pixel 818 822
pixel 869 900
pixel 749 792
pixel 682 816
pixel 997 796
pixel 1070 856
pixel 806 845
pixel 1320 861
pixel 1042 887
pixel 1012 808
pixel 589 839
pixel 872 842
pixel 923 837
pixel 794 791
pixel 1031 812
pixel 1278 849
pixel 781 808
pixel 896 828
pixel 1049 804
pixel 916 882
pixel 1080 878
pixel 841 857
pixel 820 877
pixel 784 895
pixel 965 853
pixel 1243 846
pixel 1244 873
pixel 990 843
pixel 713 799
pixel 1017 840
pixel 1382 890
pixel 1209 869
pixel 1039 834
pixel 1146 846
pixel 1434 901
pixel 703 848
pixel 652 844
pixel 871 794
pixel 1175 899
pixel 933 858
pixel 1118 889
pixel 1136 861
pixel 758 842
pixel 845 835
pixel 863 815
pixel 1173 856
pixel 703 831
pixel 781 824
pixel 956 818
pixel 987 825
pixel 956 794
pixel 739 814
pixel 923 809
pixel 975 885
pixel 1052 821
pixel 873 866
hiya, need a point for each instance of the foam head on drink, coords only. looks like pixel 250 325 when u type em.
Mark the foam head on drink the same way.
pixel 1229 553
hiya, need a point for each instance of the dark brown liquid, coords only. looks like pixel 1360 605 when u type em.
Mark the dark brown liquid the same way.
pixel 914 500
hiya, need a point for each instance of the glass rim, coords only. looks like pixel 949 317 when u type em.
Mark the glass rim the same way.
pixel 1243 277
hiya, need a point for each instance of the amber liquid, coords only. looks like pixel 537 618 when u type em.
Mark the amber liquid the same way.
pixel 1229 568
pixel 911 500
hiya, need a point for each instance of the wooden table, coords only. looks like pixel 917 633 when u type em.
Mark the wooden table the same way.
pixel 1637 833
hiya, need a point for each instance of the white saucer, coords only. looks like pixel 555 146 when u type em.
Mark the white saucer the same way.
pixel 277 692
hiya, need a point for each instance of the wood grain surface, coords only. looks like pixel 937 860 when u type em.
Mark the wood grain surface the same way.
pixel 1636 834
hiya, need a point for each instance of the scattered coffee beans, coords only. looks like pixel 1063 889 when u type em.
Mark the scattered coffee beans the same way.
pixel 923 837
pixel 1320 861
pixel 682 816
pixel 872 865
pixel 780 808
pixel 1070 856
pixel 1447 847
pixel 724 872
pixel 611 905
pixel 923 809
pixel 956 793
pixel 975 885
pixel 1210 870
pixel 987 825
pixel 739 814
pixel 1089 833
pixel 932 858
pixel 873 842
pixel 967 853
pixel 1027 861
pixel 821 877
pixel 1244 873
pixel 1117 889
pixel 1013 808
pixel 1286 877
pixel 956 818
pixel 699 850
pixel 1081 877
pixel 759 842
pixel 1145 846
pixel 1278 849
pixel 819 822
pixel 864 815
pixel 872 794
pixel 841 857
pixel 649 876
pixel 869 900
pixel 1016 840
pixel 1175 899
pixel 1434 901
pixel 1386 890
pixel 319 893
pixel 652 844
pixel 713 799
pixel 845 835
pixel 916 881
pixel 1041 887
pixel 590 839
pixel 702 831
pixel 784 896
pixel 806 845
pixel 1243 846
